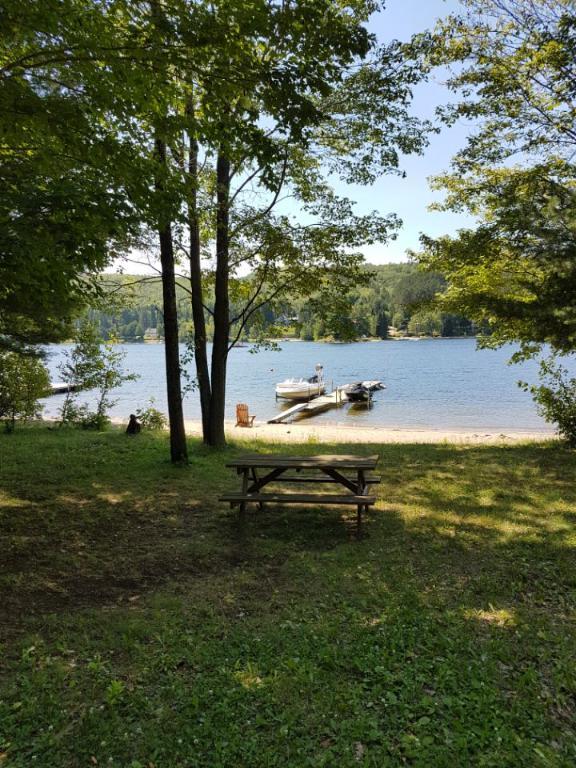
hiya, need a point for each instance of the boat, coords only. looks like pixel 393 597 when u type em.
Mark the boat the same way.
pixel 302 389
pixel 356 392
pixel 361 391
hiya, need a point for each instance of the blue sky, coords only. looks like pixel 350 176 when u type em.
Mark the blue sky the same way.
pixel 410 197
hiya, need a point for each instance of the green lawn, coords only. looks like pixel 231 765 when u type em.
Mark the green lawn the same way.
pixel 141 628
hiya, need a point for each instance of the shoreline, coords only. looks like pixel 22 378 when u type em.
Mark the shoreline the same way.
pixel 335 433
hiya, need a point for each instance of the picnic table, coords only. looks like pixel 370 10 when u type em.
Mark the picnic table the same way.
pixel 350 472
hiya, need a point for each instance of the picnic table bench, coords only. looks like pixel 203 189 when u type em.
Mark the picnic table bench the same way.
pixel 350 472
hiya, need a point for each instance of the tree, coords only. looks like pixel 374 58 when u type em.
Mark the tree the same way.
pixel 61 210
pixel 516 70
pixel 91 365
pixel 516 271
pixel 23 381
pixel 79 369
pixel 270 97
pixel 313 107
pixel 82 132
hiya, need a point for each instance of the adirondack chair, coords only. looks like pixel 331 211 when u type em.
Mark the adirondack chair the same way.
pixel 242 417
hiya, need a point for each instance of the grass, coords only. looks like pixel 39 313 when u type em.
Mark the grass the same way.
pixel 141 628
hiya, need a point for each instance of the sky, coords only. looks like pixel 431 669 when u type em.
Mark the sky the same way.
pixel 411 196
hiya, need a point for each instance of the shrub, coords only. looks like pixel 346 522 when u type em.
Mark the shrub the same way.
pixel 93 420
pixel 151 418
pixel 23 381
pixel 556 398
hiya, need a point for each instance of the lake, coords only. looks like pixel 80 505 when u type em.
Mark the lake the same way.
pixel 430 383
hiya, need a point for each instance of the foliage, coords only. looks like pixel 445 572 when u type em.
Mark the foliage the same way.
pixel 151 418
pixel 61 209
pixel 512 64
pixel 160 635
pixel 517 270
pixel 79 371
pixel 109 376
pixel 556 397
pixel 251 104
pixel 514 71
pixel 391 295
pixel 23 381
pixel 91 364
pixel 190 382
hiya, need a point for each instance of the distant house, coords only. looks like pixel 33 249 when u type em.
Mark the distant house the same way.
pixel 151 335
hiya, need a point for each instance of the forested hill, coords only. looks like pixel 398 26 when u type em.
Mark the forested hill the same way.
pixel 392 303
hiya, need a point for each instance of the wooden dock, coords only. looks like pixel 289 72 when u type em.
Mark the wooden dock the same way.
pixel 322 402
pixel 310 407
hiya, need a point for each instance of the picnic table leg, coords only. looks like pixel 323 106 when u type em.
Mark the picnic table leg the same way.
pixel 361 491
pixel 242 511
pixel 255 479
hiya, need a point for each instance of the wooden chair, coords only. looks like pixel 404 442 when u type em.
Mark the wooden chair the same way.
pixel 242 417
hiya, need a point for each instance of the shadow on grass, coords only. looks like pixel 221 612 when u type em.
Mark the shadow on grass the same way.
pixel 444 637
pixel 87 519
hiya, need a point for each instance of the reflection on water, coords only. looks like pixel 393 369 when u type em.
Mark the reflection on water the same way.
pixel 435 383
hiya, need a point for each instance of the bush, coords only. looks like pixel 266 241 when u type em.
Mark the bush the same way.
pixel 93 420
pixel 556 398
pixel 23 381
pixel 151 418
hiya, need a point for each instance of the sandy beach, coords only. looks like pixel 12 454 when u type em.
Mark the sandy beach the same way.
pixel 330 433
pixel 337 433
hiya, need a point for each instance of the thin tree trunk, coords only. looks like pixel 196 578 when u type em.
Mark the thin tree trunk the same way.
pixel 178 448
pixel 200 352
pixel 216 435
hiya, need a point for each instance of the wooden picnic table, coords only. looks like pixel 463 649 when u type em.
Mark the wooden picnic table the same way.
pixel 350 472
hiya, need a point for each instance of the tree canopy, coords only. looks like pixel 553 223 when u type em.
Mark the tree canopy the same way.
pixel 188 125
pixel 62 207
pixel 514 71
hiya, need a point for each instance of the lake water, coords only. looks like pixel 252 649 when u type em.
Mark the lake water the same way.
pixel 430 383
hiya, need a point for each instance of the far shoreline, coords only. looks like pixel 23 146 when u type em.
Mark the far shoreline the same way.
pixel 293 340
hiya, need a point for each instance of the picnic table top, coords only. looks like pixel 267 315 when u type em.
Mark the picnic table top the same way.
pixel 334 461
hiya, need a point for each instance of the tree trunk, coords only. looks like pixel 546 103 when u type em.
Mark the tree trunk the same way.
pixel 178 448
pixel 200 352
pixel 216 435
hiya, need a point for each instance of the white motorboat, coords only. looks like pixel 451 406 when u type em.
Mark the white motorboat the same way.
pixel 302 389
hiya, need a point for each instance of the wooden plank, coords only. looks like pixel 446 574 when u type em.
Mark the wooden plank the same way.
pixel 320 479
pixel 337 461
pixel 287 413
pixel 318 403
pixel 271 477
pixel 298 498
